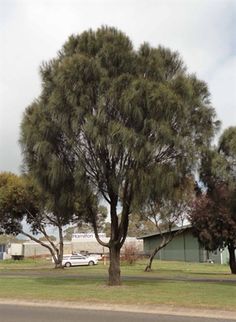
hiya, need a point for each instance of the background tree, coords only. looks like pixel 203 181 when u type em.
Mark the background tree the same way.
pixel 68 232
pixel 52 238
pixel 107 229
pixel 21 200
pixel 115 114
pixel 6 239
pixel 14 200
pixel 83 225
pixel 166 205
pixel 213 215
pixel 139 225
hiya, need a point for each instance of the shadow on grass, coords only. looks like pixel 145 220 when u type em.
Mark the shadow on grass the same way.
pixel 58 281
pixel 213 274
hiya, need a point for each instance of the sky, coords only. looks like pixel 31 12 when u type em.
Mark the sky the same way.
pixel 33 31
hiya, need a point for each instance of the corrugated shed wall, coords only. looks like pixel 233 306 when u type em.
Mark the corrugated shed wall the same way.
pixel 183 247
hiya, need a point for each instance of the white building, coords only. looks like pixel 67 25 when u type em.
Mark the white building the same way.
pixel 81 242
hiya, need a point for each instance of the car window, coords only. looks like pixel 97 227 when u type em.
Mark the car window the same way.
pixel 77 257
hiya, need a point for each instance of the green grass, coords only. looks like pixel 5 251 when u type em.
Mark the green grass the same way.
pixel 27 263
pixel 37 280
pixel 187 294
pixel 160 268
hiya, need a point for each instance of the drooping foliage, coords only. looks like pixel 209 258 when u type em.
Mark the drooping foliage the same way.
pixel 114 116
pixel 48 160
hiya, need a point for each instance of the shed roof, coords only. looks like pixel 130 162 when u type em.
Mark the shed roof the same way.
pixel 166 231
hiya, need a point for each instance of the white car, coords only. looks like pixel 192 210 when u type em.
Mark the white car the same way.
pixel 78 259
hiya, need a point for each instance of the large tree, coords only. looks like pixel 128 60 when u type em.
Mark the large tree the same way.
pixel 213 215
pixel 113 114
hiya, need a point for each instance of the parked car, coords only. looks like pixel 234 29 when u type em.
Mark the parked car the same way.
pixel 78 259
pixel 98 256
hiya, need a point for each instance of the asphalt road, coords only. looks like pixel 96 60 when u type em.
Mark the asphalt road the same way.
pixel 17 313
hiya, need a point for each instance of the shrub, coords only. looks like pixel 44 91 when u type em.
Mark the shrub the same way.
pixel 130 254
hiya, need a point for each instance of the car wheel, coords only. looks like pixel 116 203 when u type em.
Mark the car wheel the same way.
pixel 90 263
pixel 68 264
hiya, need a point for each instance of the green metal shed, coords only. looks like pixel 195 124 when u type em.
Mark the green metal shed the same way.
pixel 183 247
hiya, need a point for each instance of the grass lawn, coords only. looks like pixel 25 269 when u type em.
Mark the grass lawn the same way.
pixel 37 280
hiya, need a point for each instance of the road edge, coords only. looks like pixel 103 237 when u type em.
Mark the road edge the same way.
pixel 160 309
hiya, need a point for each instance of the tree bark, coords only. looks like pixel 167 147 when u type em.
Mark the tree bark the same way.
pixel 57 255
pixel 232 258
pixel 58 264
pixel 164 243
pixel 156 250
pixel 61 248
pixel 114 268
pixel 150 260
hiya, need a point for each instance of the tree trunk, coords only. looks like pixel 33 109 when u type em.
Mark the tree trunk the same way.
pixel 149 265
pixel 61 249
pixel 114 268
pixel 58 264
pixel 57 255
pixel 232 259
pixel 165 241
pixel 156 250
pixel 57 260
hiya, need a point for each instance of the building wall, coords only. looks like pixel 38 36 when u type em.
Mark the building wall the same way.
pixel 225 256
pixel 192 247
pixel 183 247
pixel 92 246
pixel 2 251
pixel 33 249
pixel 219 256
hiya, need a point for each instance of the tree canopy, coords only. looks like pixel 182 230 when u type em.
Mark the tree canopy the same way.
pixel 15 201
pixel 214 212
pixel 21 199
pixel 109 116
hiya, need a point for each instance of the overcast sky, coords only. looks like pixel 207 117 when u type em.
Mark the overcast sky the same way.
pixel 203 31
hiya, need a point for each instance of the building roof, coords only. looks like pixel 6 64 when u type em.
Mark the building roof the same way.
pixel 166 231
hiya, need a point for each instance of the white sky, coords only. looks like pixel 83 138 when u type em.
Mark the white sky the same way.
pixel 32 31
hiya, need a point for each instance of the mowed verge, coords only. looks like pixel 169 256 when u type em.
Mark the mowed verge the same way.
pixel 38 281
